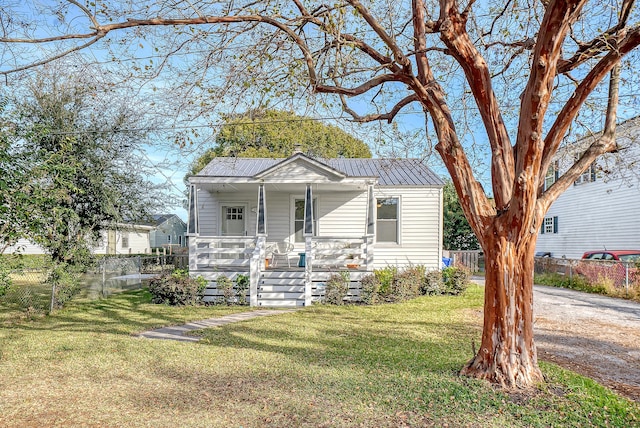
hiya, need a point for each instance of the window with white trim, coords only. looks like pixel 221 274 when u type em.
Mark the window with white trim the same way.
pixel 387 216
pixel 549 225
pixel 125 239
pixel 588 175
pixel 552 175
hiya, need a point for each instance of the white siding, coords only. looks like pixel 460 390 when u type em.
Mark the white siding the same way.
pixel 603 213
pixel 298 172
pixel 24 247
pixel 594 216
pixel 343 214
pixel 207 217
pixel 138 244
pixel 420 228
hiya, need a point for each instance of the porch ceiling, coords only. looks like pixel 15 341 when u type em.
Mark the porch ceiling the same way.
pixel 283 187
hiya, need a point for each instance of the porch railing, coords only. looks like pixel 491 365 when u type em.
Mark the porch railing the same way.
pixel 334 252
pixel 228 251
pixel 248 254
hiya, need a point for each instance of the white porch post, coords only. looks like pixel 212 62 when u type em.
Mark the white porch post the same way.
pixel 261 220
pixel 192 228
pixel 255 269
pixel 308 247
pixel 256 264
pixel 370 229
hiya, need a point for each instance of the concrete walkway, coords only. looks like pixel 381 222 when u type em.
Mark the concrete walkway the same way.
pixel 178 332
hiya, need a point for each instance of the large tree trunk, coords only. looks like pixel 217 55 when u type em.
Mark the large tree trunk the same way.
pixel 507 354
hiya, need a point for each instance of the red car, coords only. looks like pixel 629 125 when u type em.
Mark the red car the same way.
pixel 615 270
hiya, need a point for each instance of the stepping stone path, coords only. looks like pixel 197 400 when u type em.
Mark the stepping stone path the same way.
pixel 177 332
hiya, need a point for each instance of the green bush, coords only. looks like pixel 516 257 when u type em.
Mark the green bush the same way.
pixel 5 281
pixel 406 285
pixel 576 282
pixel 65 281
pixel 385 277
pixel 177 288
pixel 337 288
pixel 432 284
pixel 393 285
pixel 225 286
pixel 370 287
pixel 242 284
pixel 456 280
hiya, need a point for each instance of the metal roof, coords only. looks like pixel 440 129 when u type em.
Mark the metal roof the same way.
pixel 390 172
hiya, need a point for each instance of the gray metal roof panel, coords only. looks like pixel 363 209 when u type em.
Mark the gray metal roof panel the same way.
pixel 390 172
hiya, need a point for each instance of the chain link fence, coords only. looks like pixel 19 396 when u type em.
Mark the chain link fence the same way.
pixel 29 290
pixel 620 275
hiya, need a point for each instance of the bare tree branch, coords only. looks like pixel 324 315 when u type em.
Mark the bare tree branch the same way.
pixel 378 117
pixel 586 86
pixel 600 44
pixel 381 32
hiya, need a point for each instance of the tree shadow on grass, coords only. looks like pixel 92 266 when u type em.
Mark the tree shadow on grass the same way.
pixel 124 313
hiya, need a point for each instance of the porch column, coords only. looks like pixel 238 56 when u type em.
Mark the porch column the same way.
pixel 257 258
pixel 192 228
pixel 308 212
pixel 308 247
pixel 261 220
pixel 370 229
pixel 256 265
pixel 371 211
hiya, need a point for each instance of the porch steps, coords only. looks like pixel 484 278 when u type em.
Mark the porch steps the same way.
pixel 281 289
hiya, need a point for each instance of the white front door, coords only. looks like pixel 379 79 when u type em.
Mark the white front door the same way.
pixel 233 220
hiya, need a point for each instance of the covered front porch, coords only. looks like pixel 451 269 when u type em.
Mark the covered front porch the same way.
pixel 287 237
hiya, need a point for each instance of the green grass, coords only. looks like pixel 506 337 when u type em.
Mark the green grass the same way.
pixel 580 283
pixel 388 365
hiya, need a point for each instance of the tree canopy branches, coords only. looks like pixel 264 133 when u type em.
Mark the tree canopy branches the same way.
pixel 552 60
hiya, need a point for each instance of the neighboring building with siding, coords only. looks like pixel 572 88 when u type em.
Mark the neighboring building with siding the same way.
pixel 123 239
pixel 168 229
pixel 380 211
pixel 602 208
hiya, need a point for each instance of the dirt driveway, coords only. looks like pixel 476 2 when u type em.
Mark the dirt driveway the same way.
pixel 594 335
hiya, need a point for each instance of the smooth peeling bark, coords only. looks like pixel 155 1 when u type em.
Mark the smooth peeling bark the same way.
pixel 507 355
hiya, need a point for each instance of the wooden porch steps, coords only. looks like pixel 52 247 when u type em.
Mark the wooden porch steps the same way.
pixel 281 289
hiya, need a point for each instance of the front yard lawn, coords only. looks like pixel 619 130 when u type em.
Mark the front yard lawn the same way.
pixel 389 365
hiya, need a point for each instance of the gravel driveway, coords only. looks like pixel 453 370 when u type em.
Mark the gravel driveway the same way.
pixel 594 335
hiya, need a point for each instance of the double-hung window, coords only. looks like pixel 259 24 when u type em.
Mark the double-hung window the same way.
pixel 549 225
pixel 552 175
pixel 387 220
pixel 125 239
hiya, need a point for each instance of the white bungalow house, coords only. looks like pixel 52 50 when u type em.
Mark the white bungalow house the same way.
pixel 290 223
pixel 601 209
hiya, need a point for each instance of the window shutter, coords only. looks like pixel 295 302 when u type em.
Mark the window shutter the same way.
pixel 555 224
pixel 542 228
pixel 593 173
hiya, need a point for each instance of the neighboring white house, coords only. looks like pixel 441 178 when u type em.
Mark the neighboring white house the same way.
pixel 168 229
pixel 602 208
pixel 324 214
pixel 124 239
